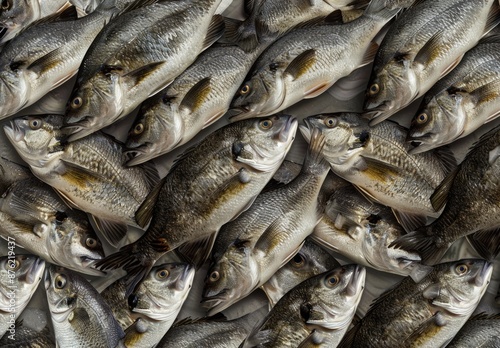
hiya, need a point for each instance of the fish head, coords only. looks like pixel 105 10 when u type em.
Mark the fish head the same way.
pixel 438 122
pixel 263 143
pixel 94 104
pixel 13 15
pixel 37 139
pixel 389 90
pixel 62 292
pixel 14 88
pixel 460 285
pixel 158 128
pixel 164 290
pixel 262 95
pixel 231 278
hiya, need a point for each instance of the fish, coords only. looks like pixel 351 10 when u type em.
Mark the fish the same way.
pixel 362 231
pixel 480 330
pixel 423 45
pixel 311 260
pixel 80 317
pixel 462 101
pixel 194 100
pixel 327 302
pixel 151 310
pixel 11 172
pixel 307 61
pixel 470 196
pixel 34 215
pixel 26 337
pixel 209 185
pixel 271 232
pixel 376 160
pixel 89 174
pixel 424 314
pixel 19 278
pixel 136 56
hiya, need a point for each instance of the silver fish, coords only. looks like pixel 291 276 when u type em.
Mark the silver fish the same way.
pixel 479 331
pixel 137 55
pixel 89 173
pixel 19 278
pixel 26 337
pixel 422 46
pixel 80 317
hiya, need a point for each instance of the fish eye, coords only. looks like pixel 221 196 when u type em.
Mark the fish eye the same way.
pixel 245 89
pixel 374 89
pixel 214 276
pixel 422 118
pixel 35 123
pixel 332 281
pixel 274 66
pixel 138 129
pixel 77 102
pixel 60 281
pixel 13 265
pixel 265 124
pixel 132 301
pixel 5 4
pixel 91 242
pixel 298 261
pixel 162 274
pixel 461 269
pixel 331 122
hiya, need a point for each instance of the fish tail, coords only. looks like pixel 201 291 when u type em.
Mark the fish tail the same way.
pixel 241 33
pixel 423 242
pixel 378 9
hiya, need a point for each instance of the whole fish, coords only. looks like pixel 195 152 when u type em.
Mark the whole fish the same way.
pixel 479 331
pixel 272 231
pixel 80 317
pixel 89 173
pixel 362 231
pixel 308 61
pixel 197 98
pixel 311 260
pixel 423 45
pixel 19 278
pixel 472 197
pixel 136 56
pixel 462 101
pixel 424 314
pixel 376 161
pixel 208 186
pixel 327 301
pixel 34 215
pixel 149 312
pixel 26 337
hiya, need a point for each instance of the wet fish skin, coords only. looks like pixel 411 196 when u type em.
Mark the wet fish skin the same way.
pixel 422 46
pixel 27 271
pixel 80 317
pixel 462 101
pixel 26 337
pixel 11 172
pixel 479 331
pixel 424 314
pixel 88 173
pixel 208 186
pixel 327 301
pixel 471 194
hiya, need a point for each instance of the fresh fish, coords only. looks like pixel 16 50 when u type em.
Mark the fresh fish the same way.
pixel 136 56
pixel 462 101
pixel 80 317
pixel 327 301
pixel 154 306
pixel 208 186
pixel 423 45
pixel 311 260
pixel 362 231
pixel 472 197
pixel 26 337
pixel 376 160
pixel 19 278
pixel 272 231
pixel 85 7
pixel 34 215
pixel 424 314
pixel 479 331
pixel 11 172
pixel 197 98
pixel 308 61
pixel 89 173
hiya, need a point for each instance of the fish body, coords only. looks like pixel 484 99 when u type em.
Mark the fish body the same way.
pixel 272 231
pixel 208 186
pixel 26 337
pixel 19 278
pixel 307 61
pixel 423 45
pixel 327 301
pixel 136 56
pixel 89 173
pixel 80 317
pixel 462 101
pixel 424 314
pixel 479 331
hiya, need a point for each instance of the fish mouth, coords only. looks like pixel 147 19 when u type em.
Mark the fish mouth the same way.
pixel 241 113
pixel 420 144
pixel 186 278
pixel 89 264
pixel 35 271
pixel 13 132
pixel 46 279
pixel 3 32
pixel 357 281
pixel 483 275
pixel 138 155
pixel 288 129
pixel 306 129
pixel 78 130
pixel 376 114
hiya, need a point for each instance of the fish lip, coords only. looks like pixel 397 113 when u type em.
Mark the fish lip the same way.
pixel 483 274
pixel 242 112
pixel 355 284
pixel 32 273
pixel 288 129
pixel 13 132
pixel 46 279
pixel 138 154
pixel 219 297
pixel 180 284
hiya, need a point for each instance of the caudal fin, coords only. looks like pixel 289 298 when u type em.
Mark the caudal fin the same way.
pixel 423 243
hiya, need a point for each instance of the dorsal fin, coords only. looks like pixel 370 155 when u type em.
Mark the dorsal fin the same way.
pixel 69 14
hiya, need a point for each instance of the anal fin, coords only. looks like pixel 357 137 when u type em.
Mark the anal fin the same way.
pixel 197 252
pixel 410 222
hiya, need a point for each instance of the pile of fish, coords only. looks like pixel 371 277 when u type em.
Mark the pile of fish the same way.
pixel 210 195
